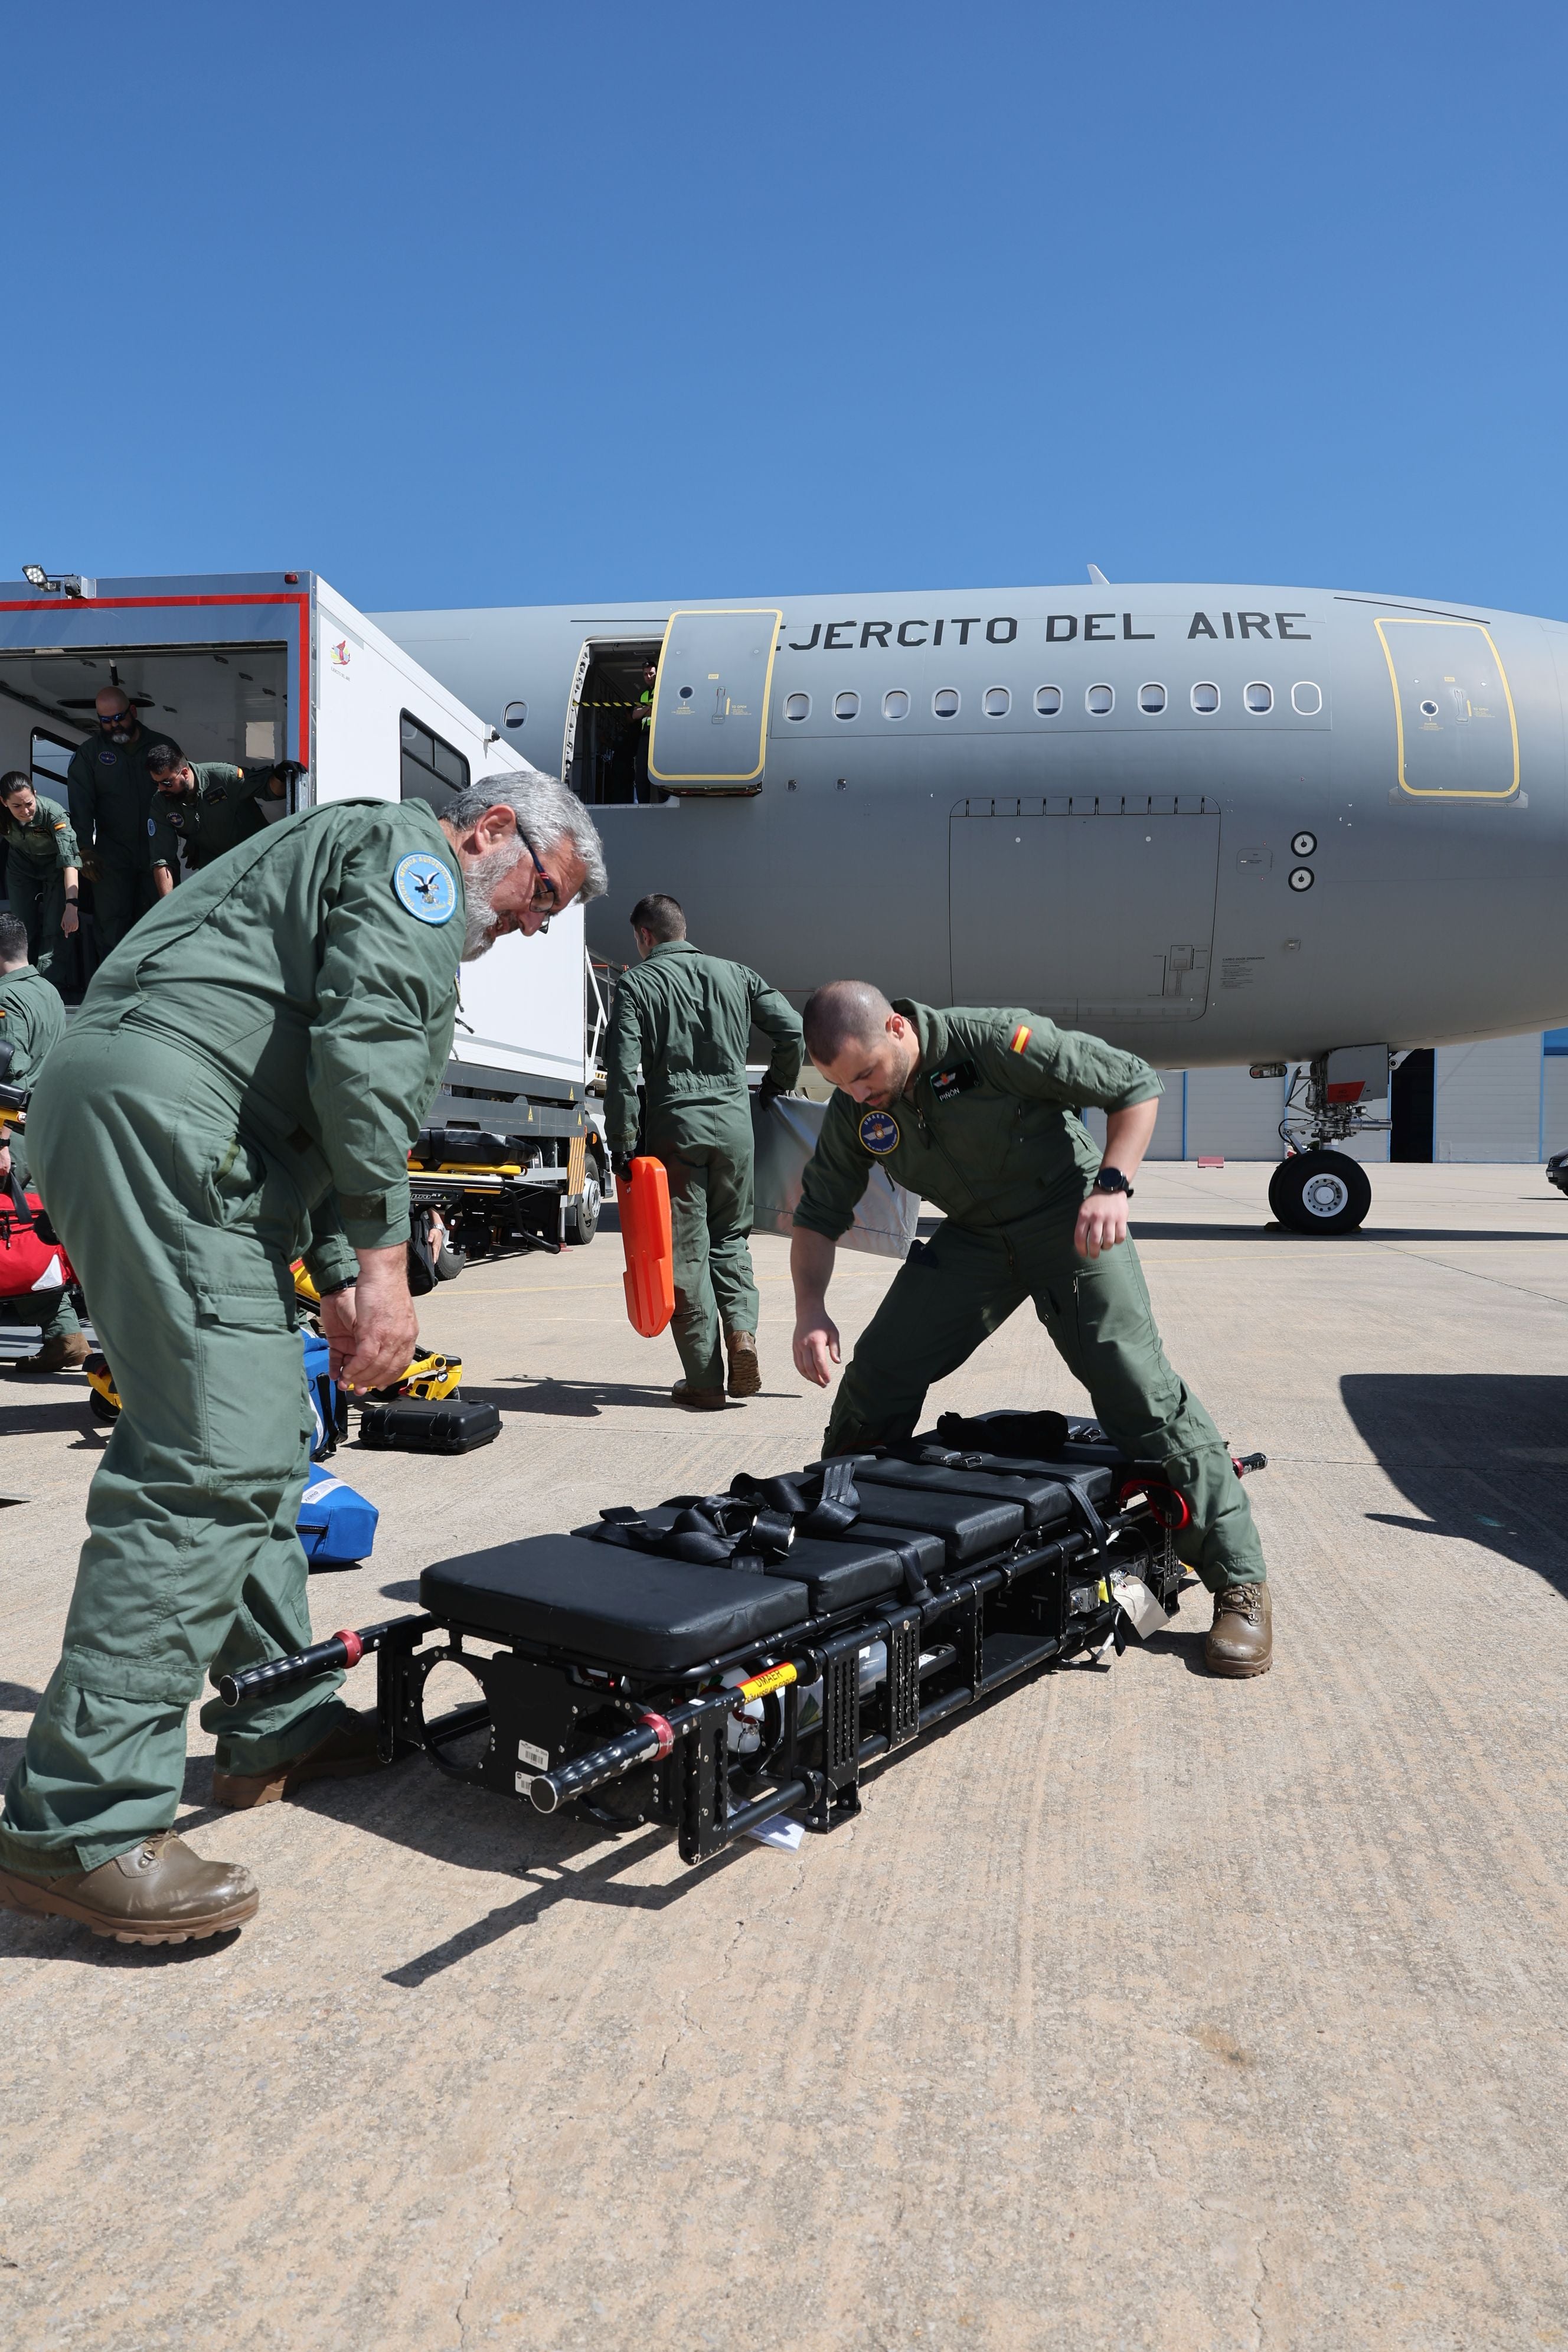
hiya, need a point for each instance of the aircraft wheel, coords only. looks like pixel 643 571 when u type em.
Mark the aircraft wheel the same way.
pixel 1320 1193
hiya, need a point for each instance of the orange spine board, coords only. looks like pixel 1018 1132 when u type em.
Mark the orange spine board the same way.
pixel 650 1250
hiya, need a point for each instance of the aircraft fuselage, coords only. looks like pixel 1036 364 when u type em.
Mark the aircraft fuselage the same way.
pixel 1213 824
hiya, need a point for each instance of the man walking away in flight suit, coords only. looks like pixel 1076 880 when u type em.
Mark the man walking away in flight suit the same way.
pixel 242 1087
pixel 977 1110
pixel 688 1018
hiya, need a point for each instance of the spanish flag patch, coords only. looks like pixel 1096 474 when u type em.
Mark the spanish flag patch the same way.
pixel 1020 1038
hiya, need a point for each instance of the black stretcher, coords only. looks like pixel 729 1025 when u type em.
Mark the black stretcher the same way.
pixel 700 1662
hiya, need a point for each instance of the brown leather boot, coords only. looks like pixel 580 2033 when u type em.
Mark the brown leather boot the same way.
pixel 347 1749
pixel 1241 1639
pixel 159 1892
pixel 697 1400
pixel 745 1378
pixel 68 1354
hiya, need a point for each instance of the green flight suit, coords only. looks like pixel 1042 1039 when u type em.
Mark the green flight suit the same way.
pixel 243 1082
pixel 37 857
pixel 991 1133
pixel 688 1018
pixel 32 1022
pixel 219 815
pixel 116 810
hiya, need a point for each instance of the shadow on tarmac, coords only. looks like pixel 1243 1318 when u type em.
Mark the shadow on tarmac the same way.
pixel 584 1400
pixel 1480 1454
pixel 567 1400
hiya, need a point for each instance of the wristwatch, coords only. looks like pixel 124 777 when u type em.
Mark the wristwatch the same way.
pixel 1111 1180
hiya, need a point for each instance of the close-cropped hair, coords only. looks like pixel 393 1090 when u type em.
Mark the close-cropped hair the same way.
pixel 841 1014
pixel 660 915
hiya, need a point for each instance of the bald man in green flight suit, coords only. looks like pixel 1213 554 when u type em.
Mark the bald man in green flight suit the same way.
pixel 975 1109
pixel 118 822
pixel 243 1084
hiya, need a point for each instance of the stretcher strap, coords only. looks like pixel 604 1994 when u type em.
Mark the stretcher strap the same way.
pixel 757 1522
pixel 710 1530
pixel 1004 1465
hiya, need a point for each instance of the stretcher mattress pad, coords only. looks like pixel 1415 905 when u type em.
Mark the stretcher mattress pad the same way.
pixel 1046 1501
pixel 839 1573
pixel 626 1608
pixel 967 1525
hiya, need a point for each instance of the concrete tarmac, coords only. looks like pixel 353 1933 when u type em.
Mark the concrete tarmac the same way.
pixel 1137 2009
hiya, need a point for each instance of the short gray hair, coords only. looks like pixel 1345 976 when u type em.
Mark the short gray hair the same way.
pixel 545 811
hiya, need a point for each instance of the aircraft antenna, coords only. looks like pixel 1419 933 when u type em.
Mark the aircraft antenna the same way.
pixel 1097 578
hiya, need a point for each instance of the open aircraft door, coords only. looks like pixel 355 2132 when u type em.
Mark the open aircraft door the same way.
pixel 710 705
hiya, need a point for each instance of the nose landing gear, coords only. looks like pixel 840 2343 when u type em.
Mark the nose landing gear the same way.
pixel 1339 1095
pixel 1320 1193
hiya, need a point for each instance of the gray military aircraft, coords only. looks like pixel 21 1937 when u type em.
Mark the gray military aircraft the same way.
pixel 1213 824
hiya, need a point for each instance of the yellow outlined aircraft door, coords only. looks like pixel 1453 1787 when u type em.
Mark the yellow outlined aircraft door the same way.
pixel 710 705
pixel 1458 738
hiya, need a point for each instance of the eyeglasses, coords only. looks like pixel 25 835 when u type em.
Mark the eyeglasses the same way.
pixel 118 718
pixel 547 889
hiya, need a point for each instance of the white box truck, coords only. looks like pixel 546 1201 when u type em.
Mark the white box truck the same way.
pixel 256 667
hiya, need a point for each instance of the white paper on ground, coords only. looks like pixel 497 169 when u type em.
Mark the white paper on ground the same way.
pixel 781 1832
pixel 1139 1603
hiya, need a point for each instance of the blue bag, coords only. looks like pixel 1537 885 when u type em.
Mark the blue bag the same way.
pixel 329 1407
pixel 336 1525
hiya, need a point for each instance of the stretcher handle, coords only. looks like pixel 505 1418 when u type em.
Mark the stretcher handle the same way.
pixel 651 1740
pixel 344 1649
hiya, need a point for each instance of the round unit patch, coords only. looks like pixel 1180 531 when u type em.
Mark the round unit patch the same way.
pixel 879 1133
pixel 424 885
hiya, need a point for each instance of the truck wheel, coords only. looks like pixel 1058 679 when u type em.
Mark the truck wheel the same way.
pixel 1320 1193
pixel 581 1221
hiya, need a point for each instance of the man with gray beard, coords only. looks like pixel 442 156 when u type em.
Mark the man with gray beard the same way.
pixel 242 1085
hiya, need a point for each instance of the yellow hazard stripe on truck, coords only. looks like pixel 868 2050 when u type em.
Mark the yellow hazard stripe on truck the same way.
pixel 1020 1037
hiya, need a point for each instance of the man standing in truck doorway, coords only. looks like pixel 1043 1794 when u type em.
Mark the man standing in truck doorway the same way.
pixel 118 822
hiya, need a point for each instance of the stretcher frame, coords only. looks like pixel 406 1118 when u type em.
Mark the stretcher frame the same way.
pixel 1036 1604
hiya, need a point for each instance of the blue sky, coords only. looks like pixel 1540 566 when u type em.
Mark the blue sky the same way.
pixel 521 304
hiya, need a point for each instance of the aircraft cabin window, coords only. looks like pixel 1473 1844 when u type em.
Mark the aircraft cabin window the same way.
pixel 1258 696
pixel 1306 699
pixel 432 771
pixel 1099 699
pixel 896 703
pixel 1205 697
pixel 797 705
pixel 998 702
pixel 1150 698
pixel 847 706
pixel 944 702
pixel 514 714
pixel 1047 700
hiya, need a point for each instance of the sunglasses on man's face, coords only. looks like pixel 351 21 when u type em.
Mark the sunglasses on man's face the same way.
pixel 117 719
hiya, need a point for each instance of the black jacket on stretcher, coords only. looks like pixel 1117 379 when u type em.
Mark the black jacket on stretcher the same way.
pixel 990 1130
